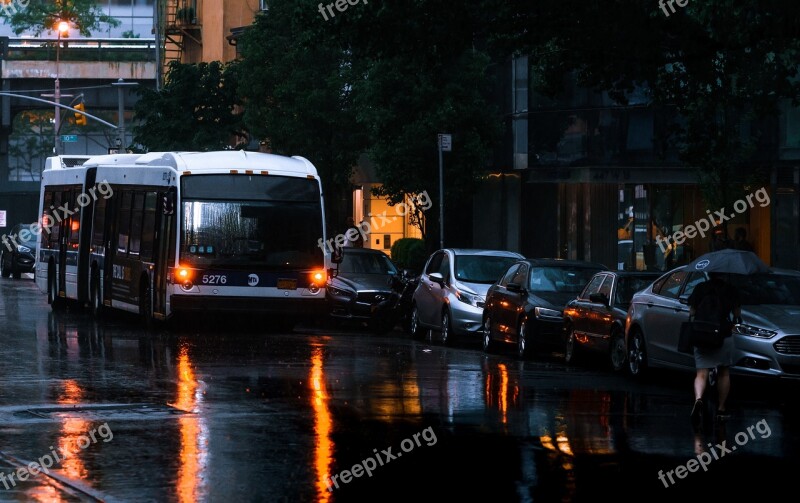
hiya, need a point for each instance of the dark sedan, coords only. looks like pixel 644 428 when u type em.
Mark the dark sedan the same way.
pixel 595 320
pixel 366 288
pixel 525 306
pixel 17 255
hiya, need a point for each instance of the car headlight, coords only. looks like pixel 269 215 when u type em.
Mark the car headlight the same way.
pixel 543 312
pixel 761 333
pixel 469 298
pixel 23 249
pixel 338 291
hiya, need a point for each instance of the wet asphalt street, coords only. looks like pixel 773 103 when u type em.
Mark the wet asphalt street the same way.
pixel 220 411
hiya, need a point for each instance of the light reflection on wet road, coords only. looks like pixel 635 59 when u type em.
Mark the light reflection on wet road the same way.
pixel 239 415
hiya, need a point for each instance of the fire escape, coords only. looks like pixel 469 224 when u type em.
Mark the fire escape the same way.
pixel 180 27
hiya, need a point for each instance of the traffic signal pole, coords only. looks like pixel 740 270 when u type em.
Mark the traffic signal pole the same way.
pixel 59 105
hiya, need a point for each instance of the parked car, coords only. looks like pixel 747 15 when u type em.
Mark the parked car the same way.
pixel 525 306
pixel 595 320
pixel 766 342
pixel 367 288
pixel 452 290
pixel 17 255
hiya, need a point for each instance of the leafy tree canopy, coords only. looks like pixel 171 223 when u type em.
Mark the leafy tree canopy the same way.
pixel 39 16
pixel 197 109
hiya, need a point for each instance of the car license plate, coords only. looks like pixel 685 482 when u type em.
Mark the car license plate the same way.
pixel 287 284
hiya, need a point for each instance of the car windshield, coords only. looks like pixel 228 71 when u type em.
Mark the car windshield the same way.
pixel 366 263
pixel 560 279
pixel 484 269
pixel 31 241
pixel 755 289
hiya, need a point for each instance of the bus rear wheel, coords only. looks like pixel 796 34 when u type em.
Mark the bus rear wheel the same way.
pixel 145 305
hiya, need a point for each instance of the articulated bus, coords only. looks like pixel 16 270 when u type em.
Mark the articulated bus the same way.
pixel 170 232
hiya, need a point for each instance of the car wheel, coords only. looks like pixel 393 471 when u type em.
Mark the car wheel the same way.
pixel 447 328
pixel 417 332
pixel 488 342
pixel 4 271
pixel 570 347
pixel 637 354
pixel 523 344
pixel 616 351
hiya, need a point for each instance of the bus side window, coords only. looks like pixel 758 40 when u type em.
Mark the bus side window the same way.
pixel 149 225
pixel 98 226
pixel 124 222
pixel 136 223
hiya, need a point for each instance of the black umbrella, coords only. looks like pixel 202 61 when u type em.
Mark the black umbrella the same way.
pixel 729 261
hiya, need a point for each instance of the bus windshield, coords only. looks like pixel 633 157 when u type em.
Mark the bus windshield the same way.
pixel 251 222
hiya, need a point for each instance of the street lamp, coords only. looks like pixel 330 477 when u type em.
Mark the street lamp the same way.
pixel 62 28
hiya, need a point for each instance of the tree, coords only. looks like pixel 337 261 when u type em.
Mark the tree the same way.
pixel 297 82
pixel 380 79
pixel 723 66
pixel 41 15
pixel 197 109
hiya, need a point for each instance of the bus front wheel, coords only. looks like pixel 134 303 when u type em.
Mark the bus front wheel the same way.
pixel 96 301
pixel 53 299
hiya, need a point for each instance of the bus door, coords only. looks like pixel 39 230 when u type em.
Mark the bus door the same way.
pixel 163 247
pixel 85 239
pixel 63 240
pixel 110 244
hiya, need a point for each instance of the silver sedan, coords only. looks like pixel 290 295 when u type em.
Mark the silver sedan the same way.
pixel 767 342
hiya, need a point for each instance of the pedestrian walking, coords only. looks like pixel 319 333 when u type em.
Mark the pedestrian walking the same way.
pixel 740 241
pixel 354 239
pixel 714 301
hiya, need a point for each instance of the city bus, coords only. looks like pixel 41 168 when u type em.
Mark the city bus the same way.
pixel 163 233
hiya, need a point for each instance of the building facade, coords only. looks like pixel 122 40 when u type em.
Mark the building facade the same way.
pixel 582 177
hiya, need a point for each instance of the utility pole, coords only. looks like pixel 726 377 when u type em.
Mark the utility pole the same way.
pixel 121 85
pixel 62 27
pixel 445 145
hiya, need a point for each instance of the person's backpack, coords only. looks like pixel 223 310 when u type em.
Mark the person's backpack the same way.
pixel 711 324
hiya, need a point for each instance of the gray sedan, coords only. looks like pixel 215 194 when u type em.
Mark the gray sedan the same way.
pixel 767 342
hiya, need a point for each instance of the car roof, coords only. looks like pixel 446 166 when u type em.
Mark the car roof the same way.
pixel 636 274
pixel 481 251
pixel 557 262
pixel 364 250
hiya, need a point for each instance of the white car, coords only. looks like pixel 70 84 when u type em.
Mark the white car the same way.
pixel 452 290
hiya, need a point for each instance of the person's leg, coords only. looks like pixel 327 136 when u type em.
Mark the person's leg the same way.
pixel 700 381
pixel 723 386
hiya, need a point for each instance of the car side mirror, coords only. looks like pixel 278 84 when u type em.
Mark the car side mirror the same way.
pixel 437 278
pixel 684 301
pixel 338 255
pixel 599 298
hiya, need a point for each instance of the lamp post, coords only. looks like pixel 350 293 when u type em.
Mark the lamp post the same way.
pixel 62 27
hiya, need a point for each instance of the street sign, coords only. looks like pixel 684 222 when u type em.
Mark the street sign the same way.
pixel 69 138
pixel 446 142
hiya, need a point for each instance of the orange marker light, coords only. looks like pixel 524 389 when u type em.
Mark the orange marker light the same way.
pixel 318 276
